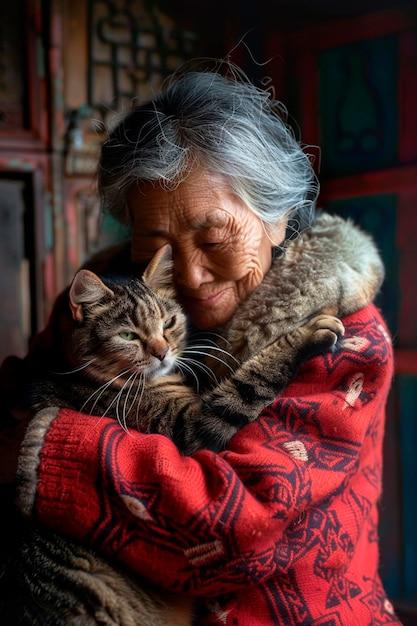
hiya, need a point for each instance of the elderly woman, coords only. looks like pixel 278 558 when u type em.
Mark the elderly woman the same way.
pixel 210 167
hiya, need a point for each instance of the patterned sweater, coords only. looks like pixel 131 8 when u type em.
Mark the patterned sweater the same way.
pixel 280 529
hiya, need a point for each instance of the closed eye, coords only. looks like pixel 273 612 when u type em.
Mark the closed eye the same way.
pixel 169 323
pixel 212 244
pixel 128 335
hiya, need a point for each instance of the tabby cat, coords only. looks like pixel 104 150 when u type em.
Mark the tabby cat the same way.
pixel 121 340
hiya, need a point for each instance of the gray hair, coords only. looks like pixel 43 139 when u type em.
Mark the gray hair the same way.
pixel 223 123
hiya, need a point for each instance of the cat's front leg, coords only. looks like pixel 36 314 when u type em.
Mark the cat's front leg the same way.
pixel 240 399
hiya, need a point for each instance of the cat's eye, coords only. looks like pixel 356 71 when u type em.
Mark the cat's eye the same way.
pixel 169 323
pixel 128 335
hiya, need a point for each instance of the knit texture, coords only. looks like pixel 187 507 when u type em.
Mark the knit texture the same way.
pixel 280 529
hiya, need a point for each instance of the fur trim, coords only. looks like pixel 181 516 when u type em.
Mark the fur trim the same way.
pixel 333 267
pixel 27 470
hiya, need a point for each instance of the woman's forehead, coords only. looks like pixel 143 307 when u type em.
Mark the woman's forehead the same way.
pixel 199 180
pixel 202 200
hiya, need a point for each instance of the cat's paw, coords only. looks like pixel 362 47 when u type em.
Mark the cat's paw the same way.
pixel 322 333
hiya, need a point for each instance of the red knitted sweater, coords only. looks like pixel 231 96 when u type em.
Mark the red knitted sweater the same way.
pixel 280 529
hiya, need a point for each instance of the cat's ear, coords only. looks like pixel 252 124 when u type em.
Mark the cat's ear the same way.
pixel 86 288
pixel 158 274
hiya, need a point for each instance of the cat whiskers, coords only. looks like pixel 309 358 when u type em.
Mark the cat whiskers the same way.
pixel 205 351
pixel 126 409
pixel 122 411
pixel 76 369
pixel 182 365
pixel 140 388
pixel 99 392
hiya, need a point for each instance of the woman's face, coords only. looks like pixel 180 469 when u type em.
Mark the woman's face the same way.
pixel 220 249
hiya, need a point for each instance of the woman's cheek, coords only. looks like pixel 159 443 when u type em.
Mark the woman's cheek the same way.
pixel 251 281
pixel 236 259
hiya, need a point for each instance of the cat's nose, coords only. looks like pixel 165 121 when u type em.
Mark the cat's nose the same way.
pixel 160 354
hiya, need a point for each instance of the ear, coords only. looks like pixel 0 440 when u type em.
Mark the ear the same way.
pixel 158 274
pixel 86 288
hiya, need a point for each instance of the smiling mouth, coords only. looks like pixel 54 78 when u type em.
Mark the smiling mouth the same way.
pixel 205 301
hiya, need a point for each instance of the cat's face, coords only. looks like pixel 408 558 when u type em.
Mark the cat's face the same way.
pixel 125 331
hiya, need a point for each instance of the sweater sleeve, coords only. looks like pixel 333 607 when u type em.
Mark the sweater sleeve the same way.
pixel 210 523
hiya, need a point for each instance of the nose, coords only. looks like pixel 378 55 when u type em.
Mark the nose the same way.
pixel 157 347
pixel 190 271
pixel 160 354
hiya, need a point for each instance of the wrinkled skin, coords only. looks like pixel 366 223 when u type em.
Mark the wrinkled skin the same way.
pixel 221 250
